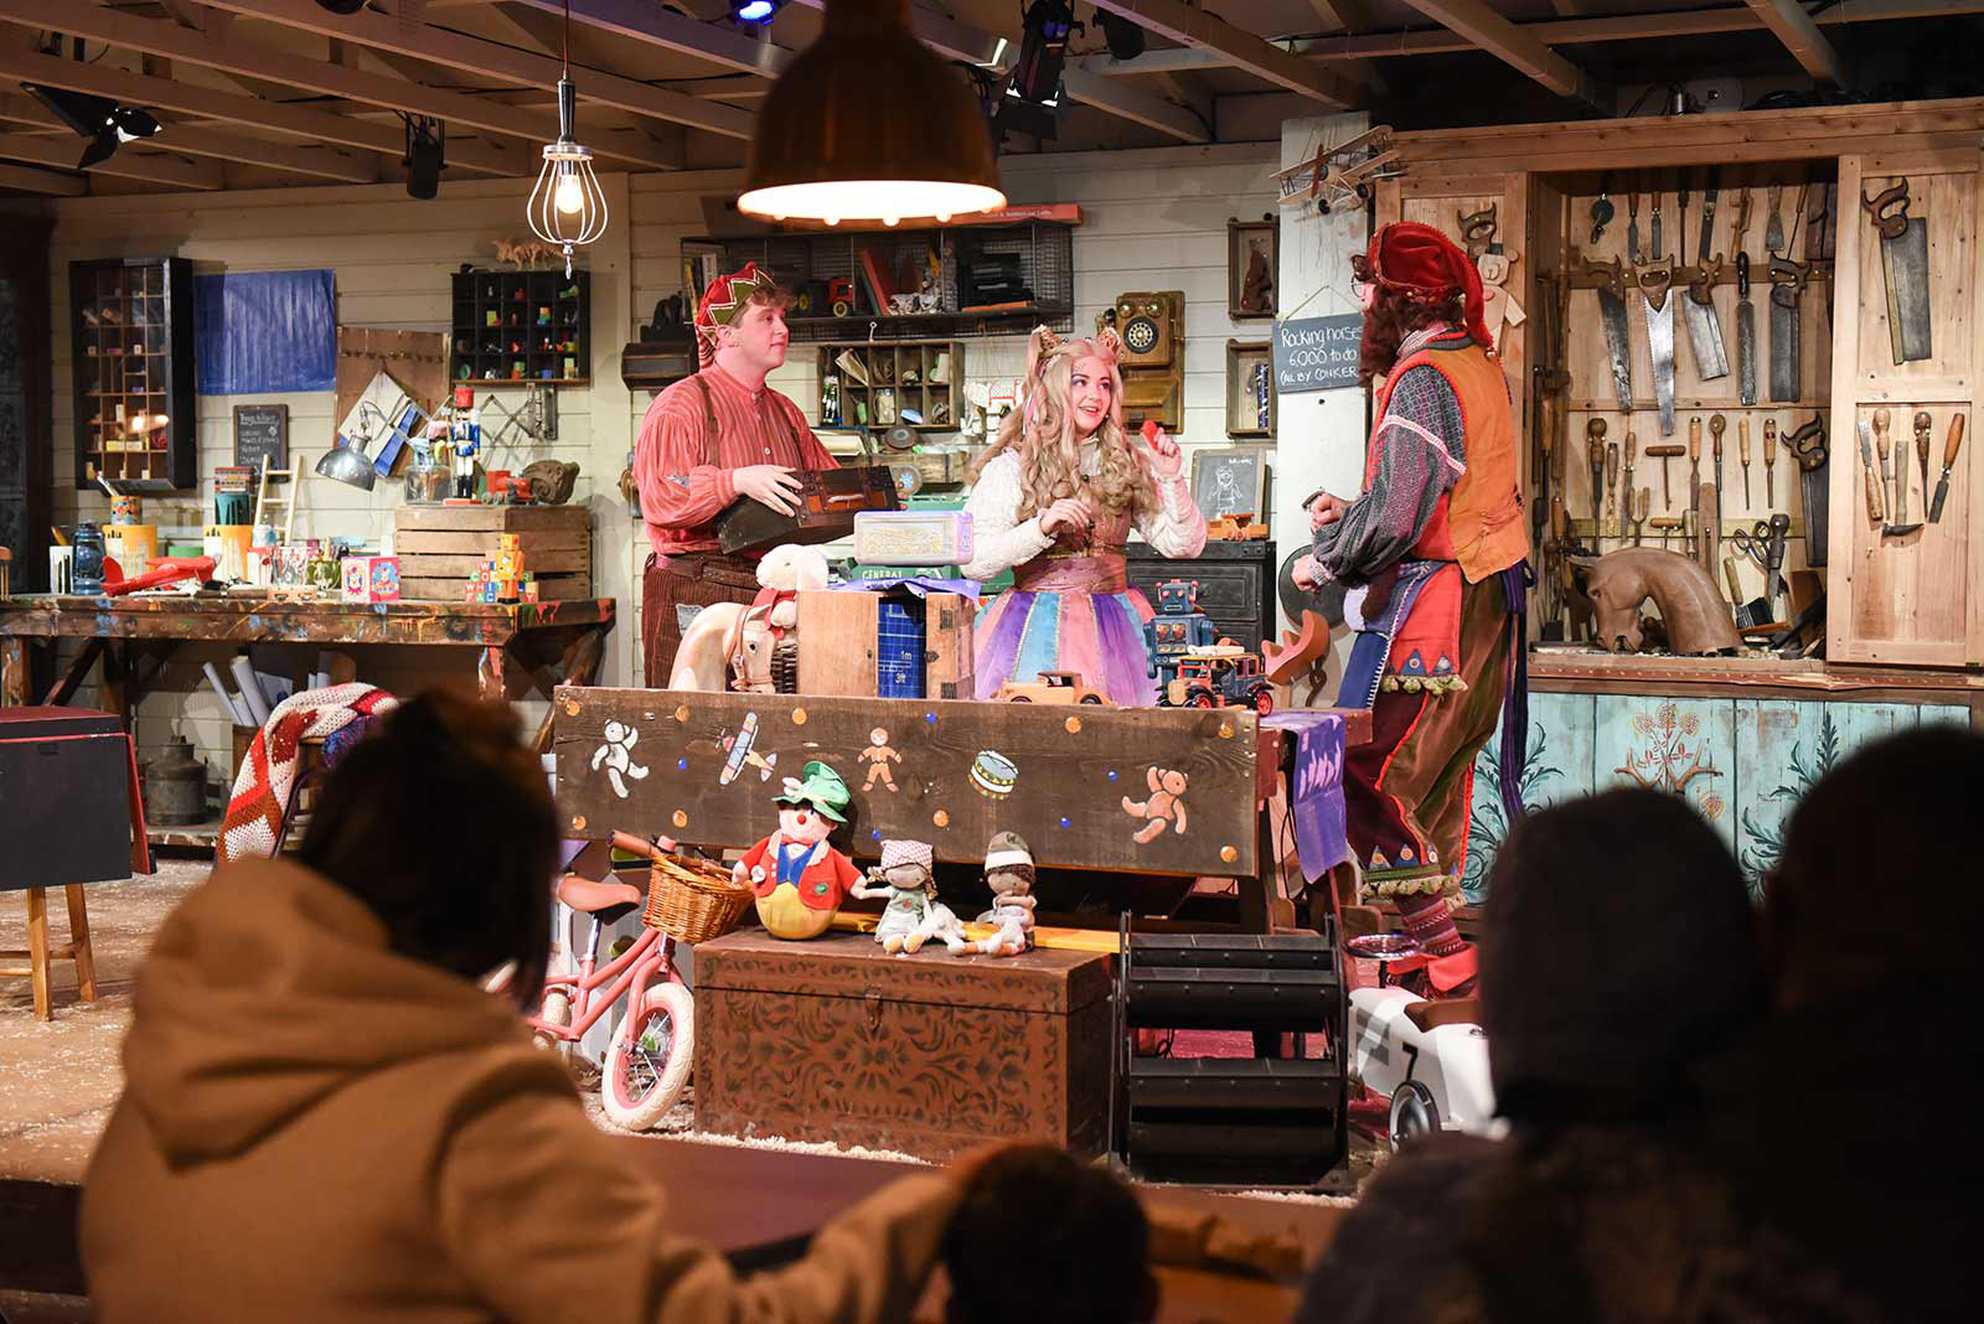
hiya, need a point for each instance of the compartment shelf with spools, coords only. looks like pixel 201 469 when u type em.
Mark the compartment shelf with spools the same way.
pixel 885 384
pixel 521 328
pixel 131 360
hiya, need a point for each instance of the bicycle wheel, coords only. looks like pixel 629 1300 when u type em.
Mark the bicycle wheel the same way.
pixel 648 1064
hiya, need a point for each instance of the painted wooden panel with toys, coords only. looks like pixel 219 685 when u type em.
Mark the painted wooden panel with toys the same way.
pixel 1153 790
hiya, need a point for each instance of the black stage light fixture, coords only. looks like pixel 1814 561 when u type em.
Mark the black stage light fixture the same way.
pixel 343 8
pixel 1125 38
pixel 1032 101
pixel 426 155
pixel 106 123
pixel 759 12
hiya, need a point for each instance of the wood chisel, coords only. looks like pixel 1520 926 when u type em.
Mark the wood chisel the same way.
pixel 1743 453
pixel 1642 503
pixel 1594 443
pixel 1717 425
pixel 1658 251
pixel 1770 463
pixel 1626 488
pixel 1870 477
pixel 1665 454
pixel 1709 196
pixel 1612 482
pixel 1881 419
pixel 1774 223
pixel 1950 448
pixel 1922 425
pixel 1633 226
pixel 1695 462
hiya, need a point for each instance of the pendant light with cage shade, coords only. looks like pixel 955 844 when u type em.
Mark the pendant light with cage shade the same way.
pixel 567 207
pixel 867 124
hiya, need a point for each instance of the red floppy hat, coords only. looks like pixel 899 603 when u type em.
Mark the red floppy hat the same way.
pixel 1421 263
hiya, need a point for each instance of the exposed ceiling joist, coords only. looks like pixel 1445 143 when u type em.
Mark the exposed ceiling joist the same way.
pixel 961 41
pixel 230 52
pixel 1194 27
pixel 646 21
pixel 1794 27
pixel 533 27
pixel 163 94
pixel 1474 20
pixel 494 59
pixel 1350 15
pixel 1656 26
pixel 129 163
pixel 189 14
pixel 202 140
pixel 45 182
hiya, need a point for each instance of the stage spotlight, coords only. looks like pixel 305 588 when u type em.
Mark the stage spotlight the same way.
pixel 426 156
pixel 343 8
pixel 1125 38
pixel 759 12
pixel 1032 101
pixel 106 123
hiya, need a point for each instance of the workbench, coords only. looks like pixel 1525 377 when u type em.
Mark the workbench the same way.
pixel 553 642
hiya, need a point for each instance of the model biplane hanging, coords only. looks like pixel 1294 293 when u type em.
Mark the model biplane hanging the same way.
pixel 1342 175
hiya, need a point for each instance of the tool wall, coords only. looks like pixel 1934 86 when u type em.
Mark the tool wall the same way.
pixel 1906 588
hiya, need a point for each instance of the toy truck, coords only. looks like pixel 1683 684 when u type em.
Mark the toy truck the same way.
pixel 1221 676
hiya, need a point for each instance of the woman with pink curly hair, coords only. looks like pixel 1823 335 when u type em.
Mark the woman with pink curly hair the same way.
pixel 1054 499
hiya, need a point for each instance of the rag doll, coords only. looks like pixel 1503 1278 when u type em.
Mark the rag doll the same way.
pixel 1009 873
pixel 914 915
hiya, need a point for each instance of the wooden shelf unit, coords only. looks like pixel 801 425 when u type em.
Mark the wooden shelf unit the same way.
pixel 1894 601
pixel 1246 361
pixel 521 328
pixel 886 364
pixel 1039 255
pixel 131 361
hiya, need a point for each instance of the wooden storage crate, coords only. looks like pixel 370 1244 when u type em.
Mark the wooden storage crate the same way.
pixel 838 648
pixel 932 1055
pixel 441 548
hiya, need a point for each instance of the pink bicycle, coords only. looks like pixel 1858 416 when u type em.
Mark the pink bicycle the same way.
pixel 647 1064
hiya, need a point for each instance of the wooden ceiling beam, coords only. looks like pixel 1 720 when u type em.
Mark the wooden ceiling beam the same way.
pixel 647 22
pixel 198 139
pixel 480 155
pixel 1794 27
pixel 495 60
pixel 230 52
pixel 129 162
pixel 1474 20
pixel 1194 27
pixel 46 182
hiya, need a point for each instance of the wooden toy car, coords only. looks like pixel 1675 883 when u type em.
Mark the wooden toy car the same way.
pixel 1224 675
pixel 1052 687
pixel 1240 526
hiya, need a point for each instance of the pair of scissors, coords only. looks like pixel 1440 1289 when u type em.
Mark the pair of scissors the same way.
pixel 1754 542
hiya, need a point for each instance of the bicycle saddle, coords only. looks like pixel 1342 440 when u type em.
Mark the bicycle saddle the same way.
pixel 596 898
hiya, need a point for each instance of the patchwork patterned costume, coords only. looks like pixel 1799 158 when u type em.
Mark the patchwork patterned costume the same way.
pixel 1435 553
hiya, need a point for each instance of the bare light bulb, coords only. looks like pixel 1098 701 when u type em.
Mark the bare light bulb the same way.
pixel 570 197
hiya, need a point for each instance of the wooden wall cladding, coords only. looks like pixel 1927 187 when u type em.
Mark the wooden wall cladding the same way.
pixel 1915 599
pixel 1073 781
pixel 1744 764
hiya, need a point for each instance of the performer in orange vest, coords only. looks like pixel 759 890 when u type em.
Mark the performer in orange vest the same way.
pixel 1434 554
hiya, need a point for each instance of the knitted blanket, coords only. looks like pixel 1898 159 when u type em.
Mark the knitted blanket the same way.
pixel 268 773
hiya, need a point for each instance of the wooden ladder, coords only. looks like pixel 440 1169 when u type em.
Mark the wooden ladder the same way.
pixel 288 503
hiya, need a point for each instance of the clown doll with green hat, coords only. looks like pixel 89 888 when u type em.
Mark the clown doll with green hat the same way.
pixel 799 880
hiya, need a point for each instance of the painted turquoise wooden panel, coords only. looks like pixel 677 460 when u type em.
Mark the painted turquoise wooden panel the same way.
pixel 1782 747
pixel 1948 714
pixel 1557 766
pixel 1686 746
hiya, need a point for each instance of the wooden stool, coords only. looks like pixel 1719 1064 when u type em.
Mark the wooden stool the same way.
pixel 39 953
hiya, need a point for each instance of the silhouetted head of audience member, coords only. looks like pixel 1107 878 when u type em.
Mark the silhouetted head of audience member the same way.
pixel 1876 888
pixel 441 822
pixel 1043 1238
pixel 1619 948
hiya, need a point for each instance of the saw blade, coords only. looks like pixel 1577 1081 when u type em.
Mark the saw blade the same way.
pixel 1783 347
pixel 1705 337
pixel 1618 344
pixel 1746 353
pixel 1906 260
pixel 1660 340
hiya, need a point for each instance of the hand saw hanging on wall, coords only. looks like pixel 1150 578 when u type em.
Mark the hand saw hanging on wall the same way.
pixel 1611 292
pixel 1656 280
pixel 1905 263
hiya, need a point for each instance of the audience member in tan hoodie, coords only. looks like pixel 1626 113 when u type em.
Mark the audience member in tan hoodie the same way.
pixel 318 1126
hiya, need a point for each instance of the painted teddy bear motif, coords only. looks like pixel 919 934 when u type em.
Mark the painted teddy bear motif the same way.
pixel 617 753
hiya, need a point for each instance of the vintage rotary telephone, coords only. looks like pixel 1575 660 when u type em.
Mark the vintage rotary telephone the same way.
pixel 1152 329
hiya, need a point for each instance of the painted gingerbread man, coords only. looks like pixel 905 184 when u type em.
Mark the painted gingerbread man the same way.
pixel 878 756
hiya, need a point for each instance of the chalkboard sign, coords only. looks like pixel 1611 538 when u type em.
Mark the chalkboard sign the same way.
pixel 261 436
pixel 1230 480
pixel 1317 353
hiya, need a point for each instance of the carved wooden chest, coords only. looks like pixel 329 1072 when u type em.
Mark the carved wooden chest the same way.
pixel 931 1055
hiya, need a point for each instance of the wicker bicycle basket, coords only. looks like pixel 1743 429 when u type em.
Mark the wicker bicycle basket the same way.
pixel 693 900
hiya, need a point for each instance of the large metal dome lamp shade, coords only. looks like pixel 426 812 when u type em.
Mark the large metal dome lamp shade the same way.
pixel 346 460
pixel 867 124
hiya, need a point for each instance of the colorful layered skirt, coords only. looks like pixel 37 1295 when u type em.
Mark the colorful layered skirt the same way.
pixel 1068 613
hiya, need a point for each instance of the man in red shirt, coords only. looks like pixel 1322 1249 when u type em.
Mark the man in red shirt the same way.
pixel 711 438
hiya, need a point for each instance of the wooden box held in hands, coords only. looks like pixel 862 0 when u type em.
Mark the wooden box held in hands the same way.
pixel 933 1055
pixel 441 548
pixel 840 645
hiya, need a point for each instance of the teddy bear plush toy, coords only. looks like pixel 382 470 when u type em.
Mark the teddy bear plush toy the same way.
pixel 798 879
